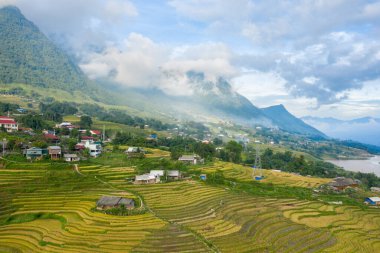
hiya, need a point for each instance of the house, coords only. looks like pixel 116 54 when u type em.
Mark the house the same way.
pixel 341 183
pixel 94 147
pixel 96 132
pixel 157 174
pixel 152 137
pixel 87 138
pixel 71 157
pixel 35 153
pixel 135 152
pixel 79 147
pixel 108 202
pixel 9 124
pixel 373 201
pixel 174 174
pixel 203 177
pixel 375 189
pixel 21 110
pixel 65 125
pixel 51 138
pixel 55 152
pixel 145 179
pixel 192 159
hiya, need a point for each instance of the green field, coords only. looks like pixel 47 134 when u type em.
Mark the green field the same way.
pixel 48 208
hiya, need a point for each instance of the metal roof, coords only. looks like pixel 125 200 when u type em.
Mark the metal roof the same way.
pixel 374 199
pixel 113 201
pixel 144 177
pixel 157 173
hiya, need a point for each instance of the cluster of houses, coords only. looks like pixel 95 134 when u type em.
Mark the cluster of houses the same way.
pixel 154 176
pixel 55 153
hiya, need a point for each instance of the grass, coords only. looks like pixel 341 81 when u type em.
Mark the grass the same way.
pixel 46 207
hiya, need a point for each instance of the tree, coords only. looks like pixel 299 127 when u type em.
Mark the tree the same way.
pixel 217 142
pixel 175 153
pixel 85 122
pixel 234 150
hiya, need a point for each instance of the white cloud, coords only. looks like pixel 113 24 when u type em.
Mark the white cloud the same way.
pixel 140 62
pixel 255 84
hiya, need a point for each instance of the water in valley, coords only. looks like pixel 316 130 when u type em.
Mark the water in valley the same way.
pixel 366 166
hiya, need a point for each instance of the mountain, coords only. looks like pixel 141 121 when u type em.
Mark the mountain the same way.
pixel 288 122
pixel 218 97
pixel 364 129
pixel 28 56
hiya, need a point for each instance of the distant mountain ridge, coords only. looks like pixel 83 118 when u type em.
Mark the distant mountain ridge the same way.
pixel 288 122
pixel 365 129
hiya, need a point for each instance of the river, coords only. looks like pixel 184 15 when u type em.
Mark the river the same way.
pixel 365 166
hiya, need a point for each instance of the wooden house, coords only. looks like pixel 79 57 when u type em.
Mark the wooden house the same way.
pixel 174 174
pixel 191 159
pixel 341 183
pixel 108 202
pixel 55 152
pixel 133 152
pixel 71 157
pixel 145 179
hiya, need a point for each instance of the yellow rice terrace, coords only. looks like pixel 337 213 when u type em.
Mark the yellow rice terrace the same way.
pixel 59 208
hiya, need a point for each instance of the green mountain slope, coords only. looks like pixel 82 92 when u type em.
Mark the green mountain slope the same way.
pixel 288 122
pixel 28 56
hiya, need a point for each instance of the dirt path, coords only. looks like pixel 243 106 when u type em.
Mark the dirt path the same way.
pixel 76 168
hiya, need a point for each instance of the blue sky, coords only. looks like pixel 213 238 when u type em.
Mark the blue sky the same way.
pixel 319 57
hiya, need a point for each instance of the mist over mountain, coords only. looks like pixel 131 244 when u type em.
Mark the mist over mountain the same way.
pixel 366 129
pixel 29 57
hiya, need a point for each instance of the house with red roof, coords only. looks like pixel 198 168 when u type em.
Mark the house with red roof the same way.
pixel 96 132
pixel 51 138
pixel 9 124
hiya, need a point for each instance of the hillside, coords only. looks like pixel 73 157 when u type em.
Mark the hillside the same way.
pixel 28 56
pixel 288 122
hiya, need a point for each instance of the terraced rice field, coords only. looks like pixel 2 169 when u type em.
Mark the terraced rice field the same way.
pixel 244 173
pixel 45 210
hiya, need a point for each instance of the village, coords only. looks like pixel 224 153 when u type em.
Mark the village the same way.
pixel 92 143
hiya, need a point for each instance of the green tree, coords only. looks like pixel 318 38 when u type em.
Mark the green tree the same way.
pixel 85 122
pixel 234 151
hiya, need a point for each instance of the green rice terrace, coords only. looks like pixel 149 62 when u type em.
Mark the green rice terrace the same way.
pixel 48 207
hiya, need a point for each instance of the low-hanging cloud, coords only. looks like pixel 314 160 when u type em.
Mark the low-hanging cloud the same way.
pixel 139 62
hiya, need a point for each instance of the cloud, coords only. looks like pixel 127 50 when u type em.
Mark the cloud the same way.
pixel 78 25
pixel 140 62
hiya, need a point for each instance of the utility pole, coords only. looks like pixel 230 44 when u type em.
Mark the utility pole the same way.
pixel 4 140
pixel 104 133
pixel 257 166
